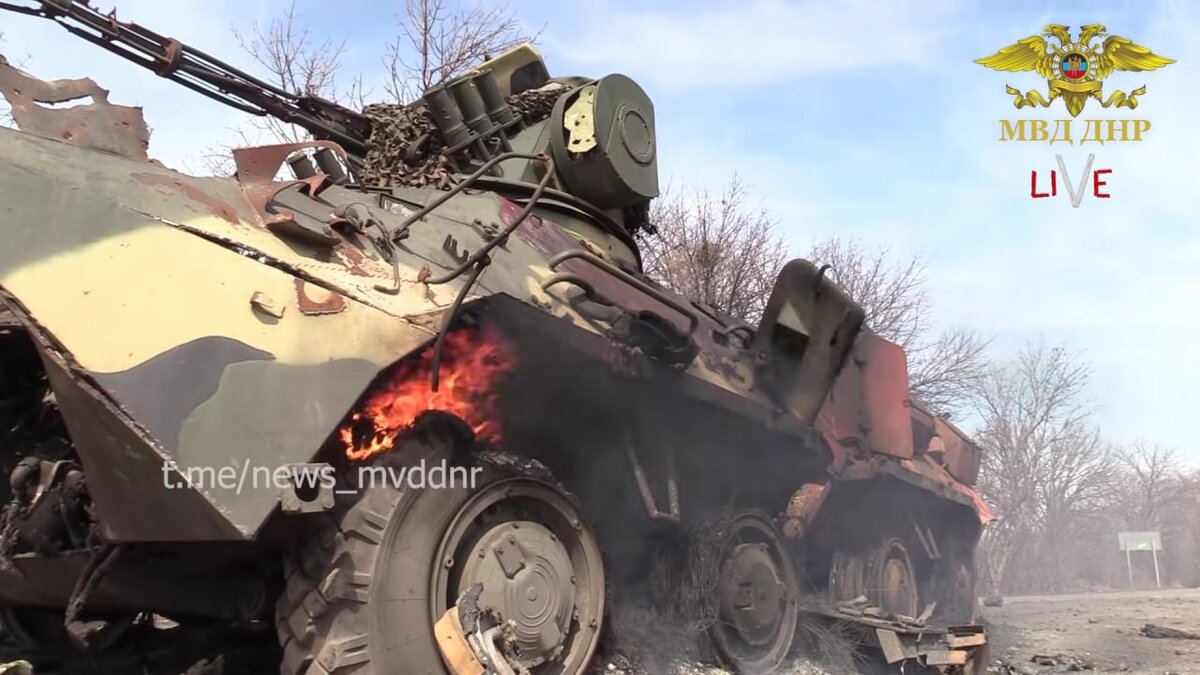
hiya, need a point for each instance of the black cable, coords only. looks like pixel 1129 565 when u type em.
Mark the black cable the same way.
pixel 435 363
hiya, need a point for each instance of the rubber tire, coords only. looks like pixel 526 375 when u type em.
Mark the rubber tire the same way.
pixel 873 571
pixel 356 597
pixel 35 630
pixel 958 605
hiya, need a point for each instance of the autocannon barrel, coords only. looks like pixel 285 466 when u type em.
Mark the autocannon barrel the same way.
pixel 202 73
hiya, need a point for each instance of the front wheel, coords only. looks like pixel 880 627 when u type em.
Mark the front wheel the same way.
pixel 364 595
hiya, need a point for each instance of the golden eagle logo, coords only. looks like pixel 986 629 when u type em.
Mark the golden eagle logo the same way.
pixel 1075 69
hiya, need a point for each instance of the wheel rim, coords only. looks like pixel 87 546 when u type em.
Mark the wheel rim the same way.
pixel 896 584
pixel 758 594
pixel 539 567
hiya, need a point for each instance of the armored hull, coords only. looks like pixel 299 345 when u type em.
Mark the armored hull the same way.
pixel 244 373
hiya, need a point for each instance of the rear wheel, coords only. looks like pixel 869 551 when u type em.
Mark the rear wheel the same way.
pixel 890 579
pixel 35 630
pixel 953 586
pixel 846 581
pixel 758 597
pixel 364 595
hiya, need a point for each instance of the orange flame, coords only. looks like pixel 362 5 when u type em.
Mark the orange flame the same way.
pixel 473 362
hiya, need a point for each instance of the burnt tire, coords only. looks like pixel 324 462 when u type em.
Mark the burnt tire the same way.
pixel 953 586
pixel 35 630
pixel 360 595
pixel 890 579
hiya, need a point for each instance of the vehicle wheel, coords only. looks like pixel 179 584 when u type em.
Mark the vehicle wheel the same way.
pixel 846 581
pixel 35 630
pixel 39 633
pixel 364 595
pixel 891 584
pixel 759 597
pixel 953 586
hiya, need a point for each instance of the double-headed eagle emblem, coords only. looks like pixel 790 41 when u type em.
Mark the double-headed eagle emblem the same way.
pixel 1075 69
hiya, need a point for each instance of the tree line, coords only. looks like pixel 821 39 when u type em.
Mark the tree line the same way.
pixel 1061 492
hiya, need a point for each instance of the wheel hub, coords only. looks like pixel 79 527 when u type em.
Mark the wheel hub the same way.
pixel 896 591
pixel 897 587
pixel 757 597
pixel 526 577
pixel 752 593
pixel 538 571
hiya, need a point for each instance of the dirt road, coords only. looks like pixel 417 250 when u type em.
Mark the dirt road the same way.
pixel 1100 630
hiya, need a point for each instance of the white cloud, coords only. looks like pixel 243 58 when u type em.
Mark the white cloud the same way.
pixel 762 41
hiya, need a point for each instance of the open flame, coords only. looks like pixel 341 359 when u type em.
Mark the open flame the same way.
pixel 473 362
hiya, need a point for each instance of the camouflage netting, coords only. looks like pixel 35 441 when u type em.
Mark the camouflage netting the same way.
pixel 406 147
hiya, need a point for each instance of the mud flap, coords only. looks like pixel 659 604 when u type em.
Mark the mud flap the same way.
pixel 453 645
pixel 466 646
pixel 962 649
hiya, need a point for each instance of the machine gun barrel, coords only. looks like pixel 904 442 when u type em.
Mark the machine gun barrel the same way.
pixel 200 72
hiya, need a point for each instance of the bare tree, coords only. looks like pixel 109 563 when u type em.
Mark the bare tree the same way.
pixel 944 368
pixel 435 42
pixel 1044 467
pixel 892 293
pixel 296 62
pixel 719 250
pixel 1153 482
pixel 715 249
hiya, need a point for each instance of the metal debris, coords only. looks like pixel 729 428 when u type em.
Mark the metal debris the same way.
pixel 1151 630
pixel 100 125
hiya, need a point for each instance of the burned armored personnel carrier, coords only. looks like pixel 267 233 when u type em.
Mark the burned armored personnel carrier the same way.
pixel 428 415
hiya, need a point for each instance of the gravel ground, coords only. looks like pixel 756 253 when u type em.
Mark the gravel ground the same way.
pixel 1100 631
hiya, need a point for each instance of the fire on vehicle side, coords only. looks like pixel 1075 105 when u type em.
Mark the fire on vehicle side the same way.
pixel 175 350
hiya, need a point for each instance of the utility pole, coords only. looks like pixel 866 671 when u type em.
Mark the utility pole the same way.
pixel 1157 581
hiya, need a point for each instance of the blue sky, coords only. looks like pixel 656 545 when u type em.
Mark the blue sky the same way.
pixel 861 119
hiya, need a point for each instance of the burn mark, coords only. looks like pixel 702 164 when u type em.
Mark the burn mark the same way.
pixel 99 125
pixel 353 259
pixel 161 392
pixel 215 206
pixel 315 301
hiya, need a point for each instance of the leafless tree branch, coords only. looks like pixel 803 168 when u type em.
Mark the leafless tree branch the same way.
pixel 944 369
pixel 715 249
pixel 1046 470
pixel 435 42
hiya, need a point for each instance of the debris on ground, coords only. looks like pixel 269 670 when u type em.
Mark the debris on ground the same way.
pixel 1151 630
pixel 1042 663
pixel 993 601
pixel 1063 662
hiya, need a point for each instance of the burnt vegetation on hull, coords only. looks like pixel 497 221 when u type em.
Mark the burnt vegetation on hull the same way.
pixel 463 276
